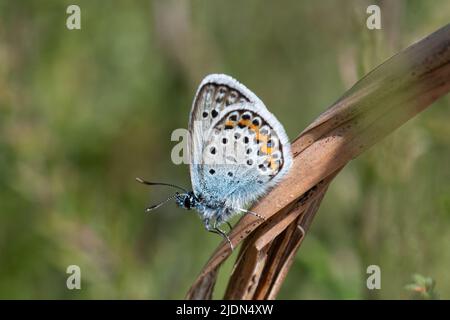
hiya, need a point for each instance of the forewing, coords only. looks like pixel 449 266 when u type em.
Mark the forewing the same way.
pixel 216 93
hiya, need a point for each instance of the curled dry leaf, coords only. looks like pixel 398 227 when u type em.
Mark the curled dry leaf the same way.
pixel 379 103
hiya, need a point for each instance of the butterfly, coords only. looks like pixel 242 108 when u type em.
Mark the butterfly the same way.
pixel 238 151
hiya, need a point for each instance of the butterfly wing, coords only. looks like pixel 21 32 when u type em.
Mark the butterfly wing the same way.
pixel 216 93
pixel 239 152
pixel 246 153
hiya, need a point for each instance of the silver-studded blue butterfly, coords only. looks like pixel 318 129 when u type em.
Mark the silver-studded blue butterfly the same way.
pixel 238 150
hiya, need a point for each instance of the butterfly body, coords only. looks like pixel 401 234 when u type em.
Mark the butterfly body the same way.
pixel 238 151
pixel 211 210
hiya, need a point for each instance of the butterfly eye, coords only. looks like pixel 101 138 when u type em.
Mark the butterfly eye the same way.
pixel 187 203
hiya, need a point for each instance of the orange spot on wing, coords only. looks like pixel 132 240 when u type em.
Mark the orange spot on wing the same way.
pixel 266 149
pixel 244 123
pixel 273 164
pixel 261 137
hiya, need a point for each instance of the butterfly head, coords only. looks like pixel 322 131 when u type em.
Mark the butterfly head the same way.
pixel 186 200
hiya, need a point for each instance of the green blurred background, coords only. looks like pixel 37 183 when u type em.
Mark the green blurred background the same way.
pixel 83 112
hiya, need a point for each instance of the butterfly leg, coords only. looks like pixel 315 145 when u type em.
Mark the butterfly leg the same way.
pixel 217 222
pixel 216 230
pixel 253 214
pixel 225 236
pixel 229 226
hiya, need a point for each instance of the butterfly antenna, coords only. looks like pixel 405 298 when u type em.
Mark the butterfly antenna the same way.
pixel 160 184
pixel 156 206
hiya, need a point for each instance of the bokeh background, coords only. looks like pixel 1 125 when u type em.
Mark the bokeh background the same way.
pixel 83 112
